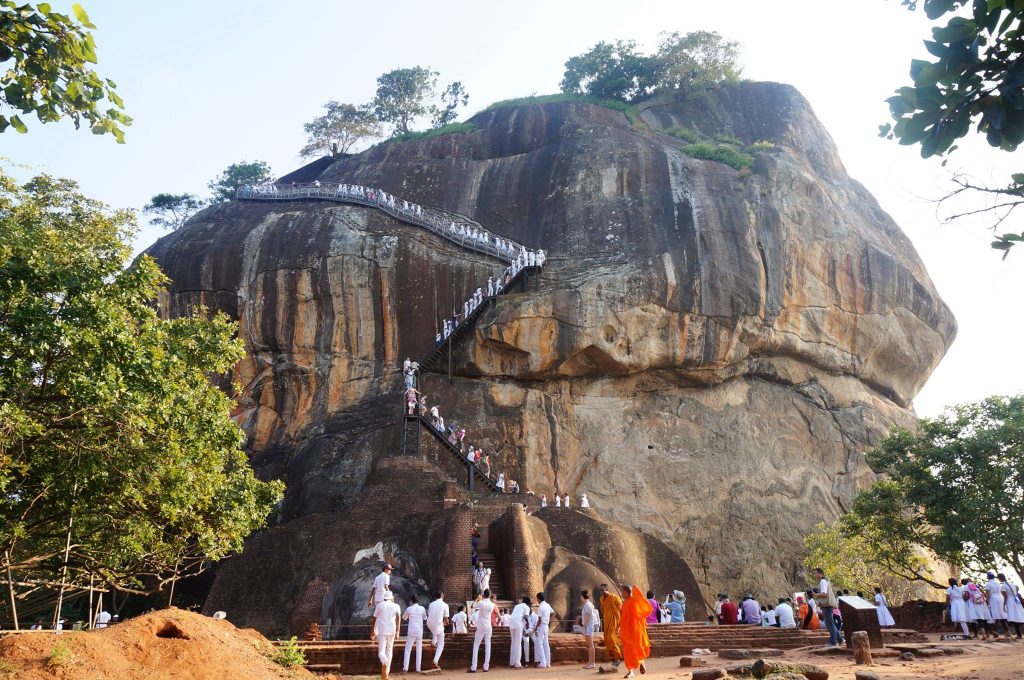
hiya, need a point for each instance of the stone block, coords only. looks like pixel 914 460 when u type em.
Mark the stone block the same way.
pixel 691 661
pixel 907 656
pixel 865 675
pixel 749 653
pixel 709 674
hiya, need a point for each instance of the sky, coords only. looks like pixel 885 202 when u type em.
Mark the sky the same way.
pixel 212 83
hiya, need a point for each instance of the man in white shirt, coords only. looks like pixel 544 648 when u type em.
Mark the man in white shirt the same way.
pixel 415 614
pixel 587 621
pixel 460 621
pixel 386 622
pixel 516 622
pixel 784 614
pixel 437 619
pixel 828 601
pixel 482 613
pixel 530 633
pixel 381 585
pixel 543 650
pixel 103 619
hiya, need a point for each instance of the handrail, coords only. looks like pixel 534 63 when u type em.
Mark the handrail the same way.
pixel 450 226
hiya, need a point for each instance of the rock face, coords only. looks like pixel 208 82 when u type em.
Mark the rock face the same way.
pixel 707 353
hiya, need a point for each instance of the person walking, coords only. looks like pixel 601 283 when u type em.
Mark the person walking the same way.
pixel 611 610
pixel 386 622
pixel 957 605
pixel 977 609
pixel 996 604
pixel 482 611
pixel 459 621
pixel 1014 607
pixel 587 621
pixel 381 585
pixel 828 602
pixel 517 620
pixel 415 614
pixel 438 615
pixel 543 647
pixel 636 646
pixel 885 619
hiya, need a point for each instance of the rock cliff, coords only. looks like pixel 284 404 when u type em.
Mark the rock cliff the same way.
pixel 707 353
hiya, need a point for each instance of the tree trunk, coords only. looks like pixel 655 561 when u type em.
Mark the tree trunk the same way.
pixel 10 589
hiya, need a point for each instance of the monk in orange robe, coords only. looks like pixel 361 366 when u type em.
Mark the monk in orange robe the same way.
pixel 636 646
pixel 611 605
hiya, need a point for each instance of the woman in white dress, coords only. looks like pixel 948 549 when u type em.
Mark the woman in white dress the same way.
pixel 996 604
pixel 1014 608
pixel 884 615
pixel 977 610
pixel 957 605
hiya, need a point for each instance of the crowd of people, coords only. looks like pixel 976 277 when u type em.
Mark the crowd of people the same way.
pixel 985 608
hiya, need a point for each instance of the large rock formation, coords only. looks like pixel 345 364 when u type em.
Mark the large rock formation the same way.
pixel 707 353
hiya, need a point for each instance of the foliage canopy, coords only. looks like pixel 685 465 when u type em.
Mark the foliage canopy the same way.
pixel 339 129
pixel 954 487
pixel 112 436
pixel 226 185
pixel 171 211
pixel 44 69
pixel 405 94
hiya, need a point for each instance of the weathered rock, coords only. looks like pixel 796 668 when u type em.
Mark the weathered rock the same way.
pixel 691 662
pixel 709 674
pixel 762 668
pixel 749 653
pixel 930 651
pixel 865 675
pixel 907 656
pixel 861 648
pixel 707 353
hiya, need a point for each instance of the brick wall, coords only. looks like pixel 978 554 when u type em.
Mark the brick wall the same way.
pixel 511 547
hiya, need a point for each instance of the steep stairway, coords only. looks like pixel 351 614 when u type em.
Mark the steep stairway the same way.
pixel 410 439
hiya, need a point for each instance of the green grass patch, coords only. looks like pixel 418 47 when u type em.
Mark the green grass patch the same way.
pixel 722 153
pixel 684 133
pixel 759 145
pixel 452 129
pixel 289 654
pixel 723 138
pixel 60 655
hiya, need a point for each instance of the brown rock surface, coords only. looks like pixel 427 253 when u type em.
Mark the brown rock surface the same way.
pixel 706 354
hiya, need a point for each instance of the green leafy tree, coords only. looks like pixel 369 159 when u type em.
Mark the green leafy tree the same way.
pixel 404 95
pixel 695 60
pixel 452 98
pixel 44 69
pixel 955 487
pixel 853 563
pixel 610 71
pixel 171 211
pixel 339 129
pixel 119 461
pixel 226 185
pixel 973 78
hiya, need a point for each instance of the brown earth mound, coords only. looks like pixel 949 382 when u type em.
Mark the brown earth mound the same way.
pixel 166 644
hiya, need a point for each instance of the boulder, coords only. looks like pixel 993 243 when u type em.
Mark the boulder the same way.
pixel 907 656
pixel 756 653
pixel 691 662
pixel 762 668
pixel 709 674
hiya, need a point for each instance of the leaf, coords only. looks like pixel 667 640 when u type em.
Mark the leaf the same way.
pixel 18 125
pixel 82 16
pixel 1018 177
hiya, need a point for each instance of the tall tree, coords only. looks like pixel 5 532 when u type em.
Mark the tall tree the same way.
pixel 973 77
pixel 452 98
pixel 955 487
pixel 610 71
pixel 171 211
pixel 404 95
pixel 695 59
pixel 237 175
pixel 44 69
pixel 339 129
pixel 119 461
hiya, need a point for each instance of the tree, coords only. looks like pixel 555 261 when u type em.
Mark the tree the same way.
pixel 974 78
pixel 119 461
pixel 404 95
pixel 226 185
pixel 610 71
pixel 172 210
pixel 853 563
pixel 44 58
pixel 955 487
pixel 338 130
pixel 452 98
pixel 695 60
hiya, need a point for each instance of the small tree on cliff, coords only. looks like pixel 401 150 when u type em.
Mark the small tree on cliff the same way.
pixel 339 129
pixel 973 77
pixel 226 185
pixel 695 59
pixel 46 57
pixel 610 71
pixel 119 461
pixel 954 487
pixel 171 211
pixel 405 94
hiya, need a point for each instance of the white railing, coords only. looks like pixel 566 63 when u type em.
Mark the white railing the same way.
pixel 453 227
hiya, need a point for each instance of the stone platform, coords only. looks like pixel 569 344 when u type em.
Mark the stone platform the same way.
pixel 355 657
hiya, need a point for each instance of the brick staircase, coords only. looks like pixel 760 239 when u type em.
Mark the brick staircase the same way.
pixel 360 656
pixel 499 593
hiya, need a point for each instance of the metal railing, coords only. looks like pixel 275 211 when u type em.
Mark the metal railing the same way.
pixel 451 226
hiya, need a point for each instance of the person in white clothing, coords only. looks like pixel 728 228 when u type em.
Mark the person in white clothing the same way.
pixel 1014 607
pixel 516 623
pixel 437 618
pixel 482 613
pixel 415 614
pixel 485 580
pixel 381 585
pixel 996 604
pixel 885 619
pixel 543 501
pixel 543 648
pixel 460 621
pixel 587 621
pixel 957 605
pixel 584 501
pixel 565 502
pixel 530 633
pixel 386 622
pixel 784 614
pixel 558 501
pixel 103 619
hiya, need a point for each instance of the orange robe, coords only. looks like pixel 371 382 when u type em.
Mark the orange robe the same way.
pixel 814 623
pixel 636 646
pixel 611 606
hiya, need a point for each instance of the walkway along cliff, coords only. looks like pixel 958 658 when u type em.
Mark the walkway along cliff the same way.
pixel 706 354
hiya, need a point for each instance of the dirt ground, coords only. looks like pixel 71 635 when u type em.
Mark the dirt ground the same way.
pixel 981 661
pixel 167 644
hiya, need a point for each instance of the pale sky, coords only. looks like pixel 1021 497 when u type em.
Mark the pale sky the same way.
pixel 211 83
